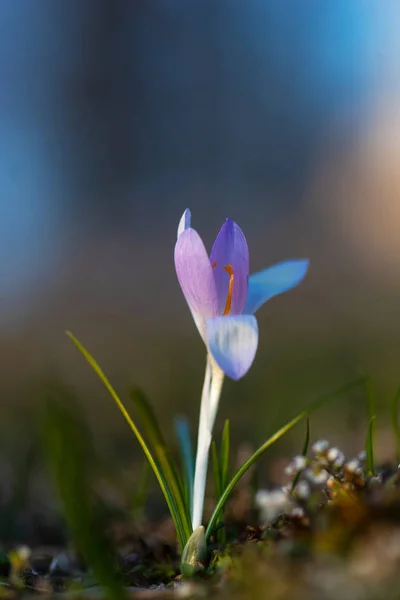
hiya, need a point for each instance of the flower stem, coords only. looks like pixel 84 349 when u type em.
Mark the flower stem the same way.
pixel 211 393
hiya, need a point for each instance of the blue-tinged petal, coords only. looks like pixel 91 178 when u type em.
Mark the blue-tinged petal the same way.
pixel 184 223
pixel 272 281
pixel 230 249
pixel 196 277
pixel 232 342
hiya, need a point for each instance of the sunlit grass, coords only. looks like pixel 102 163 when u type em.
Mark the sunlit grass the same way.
pixel 69 451
pixel 163 464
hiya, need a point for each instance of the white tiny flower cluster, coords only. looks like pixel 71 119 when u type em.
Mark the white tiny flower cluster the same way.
pixel 313 479
pixel 335 457
pixel 297 464
pixel 320 447
pixel 272 503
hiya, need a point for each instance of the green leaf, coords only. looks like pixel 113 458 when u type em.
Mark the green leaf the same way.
pixel 216 470
pixel 394 410
pixel 68 451
pixel 141 492
pixel 176 517
pixel 369 442
pixel 304 453
pixel 185 446
pixel 275 437
pixel 225 454
pixel 369 448
pixel 221 477
pixel 163 455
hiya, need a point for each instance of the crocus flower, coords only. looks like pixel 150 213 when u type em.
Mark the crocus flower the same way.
pixel 223 299
pixel 221 295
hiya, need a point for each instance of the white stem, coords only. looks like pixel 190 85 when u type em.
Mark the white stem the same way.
pixel 217 379
pixel 212 387
pixel 199 481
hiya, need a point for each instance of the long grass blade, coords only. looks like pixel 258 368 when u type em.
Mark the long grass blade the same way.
pixel 369 443
pixel 394 411
pixel 140 494
pixel 68 450
pixel 225 454
pixel 186 450
pixel 218 478
pixel 371 406
pixel 274 438
pixel 304 453
pixel 223 468
pixel 163 455
pixel 216 471
pixel 369 448
pixel 176 517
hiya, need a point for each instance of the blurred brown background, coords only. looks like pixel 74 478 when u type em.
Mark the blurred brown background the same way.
pixel 116 116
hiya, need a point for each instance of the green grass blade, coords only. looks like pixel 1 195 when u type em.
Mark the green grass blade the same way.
pixel 68 452
pixel 224 478
pixel 225 454
pixel 140 494
pixel 162 483
pixel 163 455
pixel 216 470
pixel 369 448
pixel 186 450
pixel 369 443
pixel 217 473
pixel 304 453
pixel 275 437
pixel 394 412
pixel 371 406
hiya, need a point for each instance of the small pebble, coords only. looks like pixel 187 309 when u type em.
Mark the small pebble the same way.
pixel 60 564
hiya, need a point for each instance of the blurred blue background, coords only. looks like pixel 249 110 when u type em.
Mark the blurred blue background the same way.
pixel 116 116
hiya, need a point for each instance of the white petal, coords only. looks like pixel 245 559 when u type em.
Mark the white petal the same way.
pixel 232 342
pixel 184 223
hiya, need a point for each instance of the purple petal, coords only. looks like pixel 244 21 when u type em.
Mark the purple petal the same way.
pixel 184 223
pixel 196 277
pixel 230 248
pixel 232 342
pixel 272 281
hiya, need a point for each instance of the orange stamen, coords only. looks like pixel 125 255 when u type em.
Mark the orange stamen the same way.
pixel 214 265
pixel 228 304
